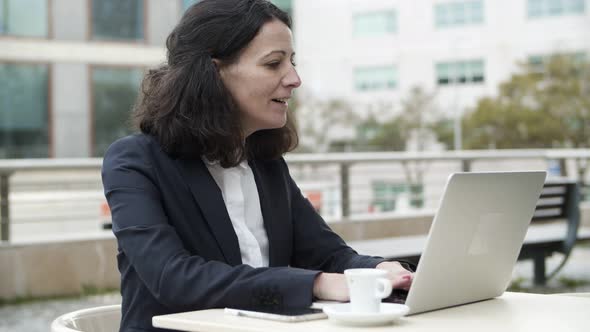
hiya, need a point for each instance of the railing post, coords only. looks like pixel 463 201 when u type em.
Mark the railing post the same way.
pixel 466 165
pixel 581 166
pixel 345 189
pixel 4 207
pixel 563 167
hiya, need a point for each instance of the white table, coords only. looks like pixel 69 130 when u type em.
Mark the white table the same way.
pixel 510 312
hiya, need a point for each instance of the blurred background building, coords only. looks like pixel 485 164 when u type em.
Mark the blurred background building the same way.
pixel 372 55
pixel 378 50
pixel 70 69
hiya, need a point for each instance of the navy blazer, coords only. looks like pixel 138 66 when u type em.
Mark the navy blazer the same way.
pixel 177 249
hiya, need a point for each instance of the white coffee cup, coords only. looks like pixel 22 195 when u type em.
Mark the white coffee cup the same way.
pixel 367 287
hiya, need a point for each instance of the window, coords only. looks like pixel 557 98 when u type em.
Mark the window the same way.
pixel 375 24
pixel 188 3
pixel 117 19
pixel 460 72
pixel 285 5
pixel 544 8
pixel 391 196
pixel 458 13
pixel 23 18
pixel 24 132
pixel 538 62
pixel 114 91
pixel 375 78
pixel 579 57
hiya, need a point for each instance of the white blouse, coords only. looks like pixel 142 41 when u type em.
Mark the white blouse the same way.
pixel 240 195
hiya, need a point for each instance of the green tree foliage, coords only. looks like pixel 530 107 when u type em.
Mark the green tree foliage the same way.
pixel 415 120
pixel 375 136
pixel 319 121
pixel 537 108
pixel 444 130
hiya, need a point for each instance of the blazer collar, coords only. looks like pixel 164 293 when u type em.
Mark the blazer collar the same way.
pixel 210 200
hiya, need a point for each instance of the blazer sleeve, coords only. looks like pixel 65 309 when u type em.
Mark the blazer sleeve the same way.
pixel 155 252
pixel 316 246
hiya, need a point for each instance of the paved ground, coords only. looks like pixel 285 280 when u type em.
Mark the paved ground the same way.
pixel 37 316
pixel 574 277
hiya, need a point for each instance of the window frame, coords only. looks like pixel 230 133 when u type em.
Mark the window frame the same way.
pixel 143 41
pixel 49 108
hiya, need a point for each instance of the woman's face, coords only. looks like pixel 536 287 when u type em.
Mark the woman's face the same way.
pixel 263 78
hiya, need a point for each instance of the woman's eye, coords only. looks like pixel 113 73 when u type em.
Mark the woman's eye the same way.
pixel 276 64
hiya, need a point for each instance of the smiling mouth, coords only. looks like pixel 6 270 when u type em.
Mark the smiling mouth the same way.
pixel 281 100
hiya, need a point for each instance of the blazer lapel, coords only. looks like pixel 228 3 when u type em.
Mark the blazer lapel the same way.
pixel 270 216
pixel 210 200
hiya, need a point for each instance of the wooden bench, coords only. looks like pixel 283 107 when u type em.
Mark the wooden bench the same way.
pixel 555 228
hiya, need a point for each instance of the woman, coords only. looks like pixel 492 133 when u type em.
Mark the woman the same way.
pixel 205 212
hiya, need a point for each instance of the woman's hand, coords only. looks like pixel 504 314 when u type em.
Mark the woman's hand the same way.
pixel 400 277
pixel 333 287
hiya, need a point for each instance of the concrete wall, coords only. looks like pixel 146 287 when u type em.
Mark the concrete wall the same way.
pixel 58 268
pixel 71 111
pixel 162 17
pixel 62 268
pixel 69 19
pixel 374 229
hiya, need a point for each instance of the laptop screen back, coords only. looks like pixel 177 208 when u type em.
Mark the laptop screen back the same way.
pixel 475 238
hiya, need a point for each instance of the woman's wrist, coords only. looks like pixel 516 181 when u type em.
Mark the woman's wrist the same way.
pixel 386 265
pixel 316 286
pixel 393 266
pixel 330 286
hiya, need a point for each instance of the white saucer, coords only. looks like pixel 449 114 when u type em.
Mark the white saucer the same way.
pixel 389 312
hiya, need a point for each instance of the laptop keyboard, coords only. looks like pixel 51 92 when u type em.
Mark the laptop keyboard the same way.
pixel 397 296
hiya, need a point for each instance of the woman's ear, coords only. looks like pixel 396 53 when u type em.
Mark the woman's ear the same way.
pixel 217 64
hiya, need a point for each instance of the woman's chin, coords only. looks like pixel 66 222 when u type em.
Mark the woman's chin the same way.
pixel 277 122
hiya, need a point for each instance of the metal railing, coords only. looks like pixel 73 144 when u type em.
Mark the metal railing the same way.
pixel 348 175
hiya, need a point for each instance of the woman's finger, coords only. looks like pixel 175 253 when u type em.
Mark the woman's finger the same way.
pixel 403 281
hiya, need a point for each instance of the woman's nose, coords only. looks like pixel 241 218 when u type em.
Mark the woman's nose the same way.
pixel 292 79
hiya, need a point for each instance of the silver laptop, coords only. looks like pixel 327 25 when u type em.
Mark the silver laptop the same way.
pixel 475 238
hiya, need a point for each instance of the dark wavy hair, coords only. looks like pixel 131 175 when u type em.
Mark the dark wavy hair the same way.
pixel 185 105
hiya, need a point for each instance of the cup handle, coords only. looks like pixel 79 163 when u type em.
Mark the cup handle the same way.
pixel 385 288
